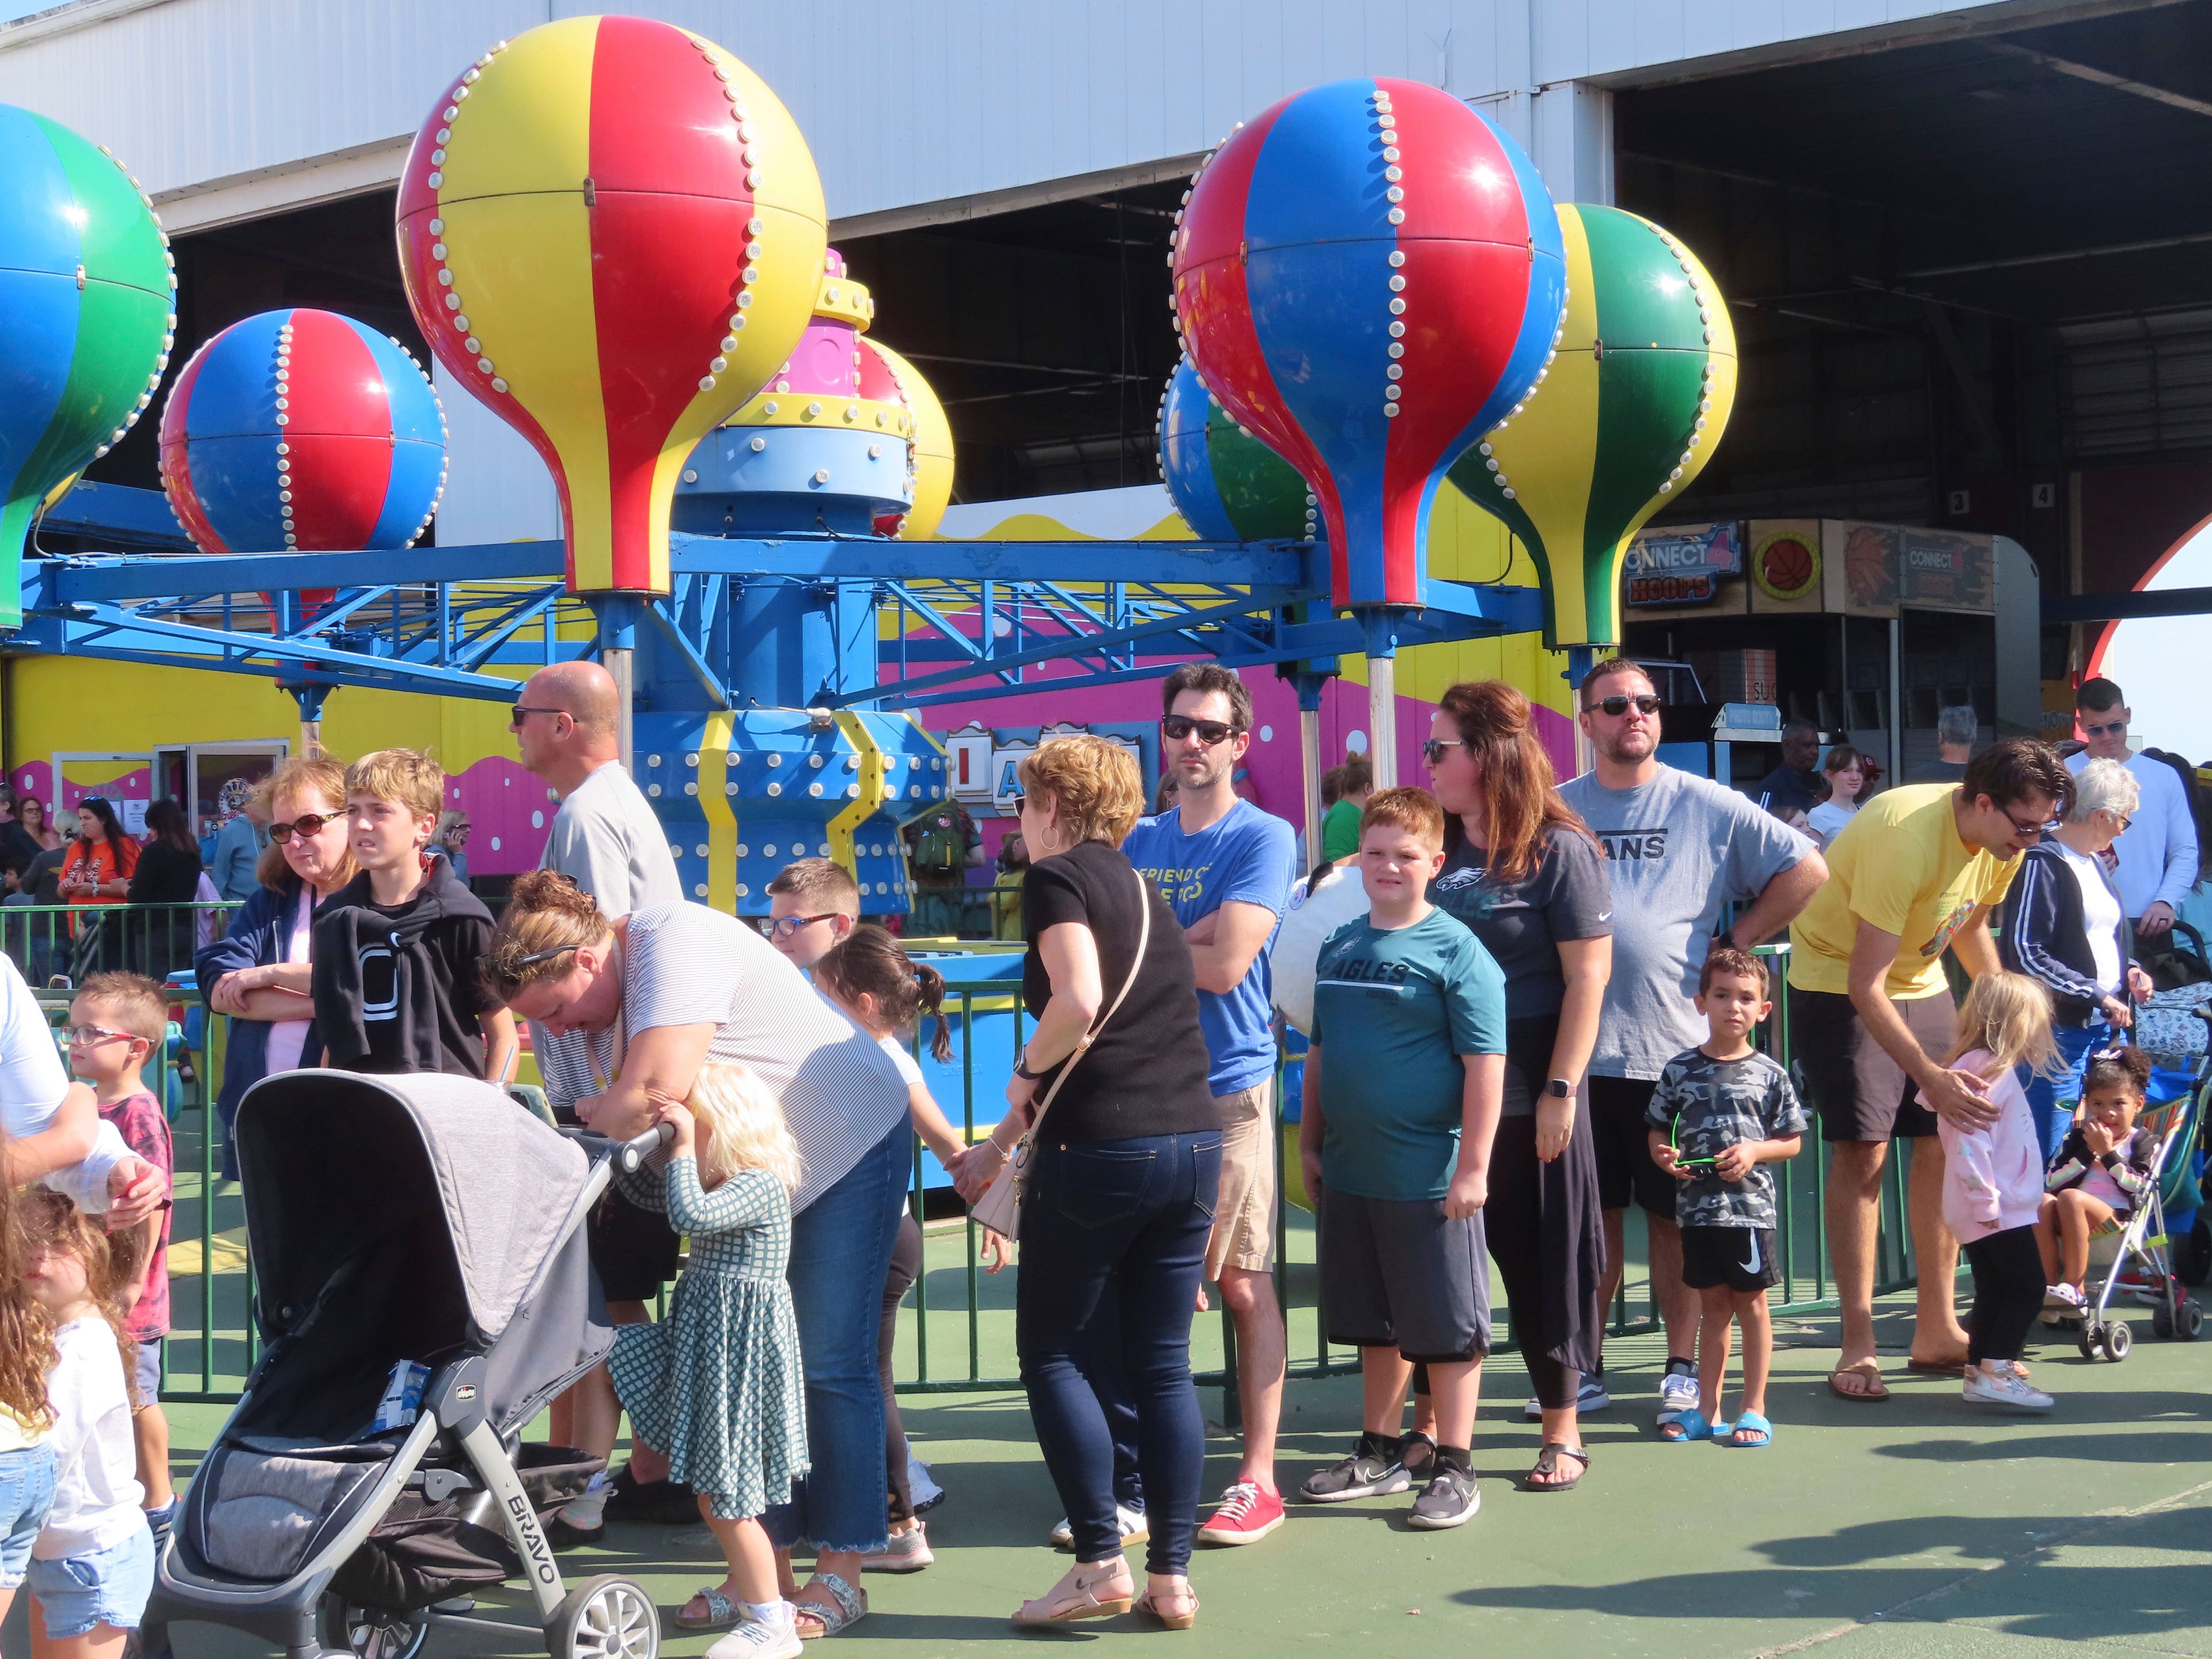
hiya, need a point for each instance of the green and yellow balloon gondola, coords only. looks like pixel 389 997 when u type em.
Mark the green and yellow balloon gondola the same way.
pixel 1626 415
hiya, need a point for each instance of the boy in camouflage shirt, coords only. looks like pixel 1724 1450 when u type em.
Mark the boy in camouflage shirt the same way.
pixel 1721 1113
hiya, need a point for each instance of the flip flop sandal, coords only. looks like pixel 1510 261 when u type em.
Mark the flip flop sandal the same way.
pixel 721 1613
pixel 1871 1395
pixel 1172 1620
pixel 1750 1423
pixel 1693 1426
pixel 1936 1367
pixel 815 1619
pixel 1548 1462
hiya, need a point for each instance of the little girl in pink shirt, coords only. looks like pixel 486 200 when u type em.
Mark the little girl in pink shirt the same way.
pixel 1993 1185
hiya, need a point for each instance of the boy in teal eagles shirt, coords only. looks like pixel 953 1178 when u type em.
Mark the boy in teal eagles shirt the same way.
pixel 1403 1083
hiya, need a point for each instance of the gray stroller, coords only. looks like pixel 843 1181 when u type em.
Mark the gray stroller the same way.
pixel 423 1228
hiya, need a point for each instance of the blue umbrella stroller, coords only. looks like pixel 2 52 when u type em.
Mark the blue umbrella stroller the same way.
pixel 423 1291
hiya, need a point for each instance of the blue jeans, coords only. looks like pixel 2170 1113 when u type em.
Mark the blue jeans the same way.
pixel 840 1250
pixel 1127 1219
pixel 27 1493
pixel 2053 1099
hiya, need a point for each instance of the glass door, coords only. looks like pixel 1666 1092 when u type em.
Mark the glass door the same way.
pixel 224 774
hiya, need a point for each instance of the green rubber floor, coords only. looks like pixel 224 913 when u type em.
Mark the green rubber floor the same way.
pixel 1868 1532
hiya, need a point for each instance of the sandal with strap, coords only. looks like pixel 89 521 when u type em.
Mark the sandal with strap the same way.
pixel 1547 1463
pixel 722 1613
pixel 1076 1597
pixel 815 1619
pixel 1690 1425
pixel 1184 1620
pixel 1749 1422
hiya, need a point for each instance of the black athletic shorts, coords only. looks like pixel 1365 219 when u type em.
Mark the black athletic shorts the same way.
pixel 1858 1091
pixel 1395 1273
pixel 1624 1169
pixel 1741 1258
pixel 634 1249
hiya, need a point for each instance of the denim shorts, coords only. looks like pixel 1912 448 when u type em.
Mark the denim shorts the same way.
pixel 146 1369
pixel 80 1593
pixel 27 1492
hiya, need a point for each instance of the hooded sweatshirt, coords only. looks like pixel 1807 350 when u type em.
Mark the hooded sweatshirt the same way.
pixel 1992 1176
pixel 396 987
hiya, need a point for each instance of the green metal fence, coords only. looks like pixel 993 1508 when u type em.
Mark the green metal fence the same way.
pixel 957 1311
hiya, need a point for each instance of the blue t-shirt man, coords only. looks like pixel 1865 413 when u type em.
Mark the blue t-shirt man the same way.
pixel 1246 855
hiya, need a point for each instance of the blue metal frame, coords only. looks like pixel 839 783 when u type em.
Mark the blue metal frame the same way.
pixel 969 620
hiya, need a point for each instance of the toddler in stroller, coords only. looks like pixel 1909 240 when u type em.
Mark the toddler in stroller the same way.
pixel 422 1290
pixel 2108 1190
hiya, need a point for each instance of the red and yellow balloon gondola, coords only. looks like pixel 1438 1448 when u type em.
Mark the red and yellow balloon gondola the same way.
pixel 611 232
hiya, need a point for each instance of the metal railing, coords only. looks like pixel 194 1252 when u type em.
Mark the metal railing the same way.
pixel 211 1273
pixel 74 940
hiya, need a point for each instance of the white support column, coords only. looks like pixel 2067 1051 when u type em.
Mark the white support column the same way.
pixel 1570 140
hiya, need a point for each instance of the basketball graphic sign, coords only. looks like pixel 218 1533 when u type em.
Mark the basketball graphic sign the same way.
pixel 1786 565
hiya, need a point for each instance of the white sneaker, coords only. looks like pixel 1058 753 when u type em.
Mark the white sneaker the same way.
pixel 1678 1394
pixel 1998 1382
pixel 1136 1529
pixel 927 1494
pixel 1590 1397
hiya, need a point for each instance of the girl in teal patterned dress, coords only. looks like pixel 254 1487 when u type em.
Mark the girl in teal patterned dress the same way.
pixel 716 1385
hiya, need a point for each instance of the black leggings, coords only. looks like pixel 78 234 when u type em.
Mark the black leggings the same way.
pixel 2008 1293
pixel 905 1268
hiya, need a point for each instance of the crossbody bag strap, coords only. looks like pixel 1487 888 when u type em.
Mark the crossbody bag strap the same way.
pixel 1144 942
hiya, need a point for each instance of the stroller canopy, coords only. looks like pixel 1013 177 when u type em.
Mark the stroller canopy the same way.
pixel 479 1187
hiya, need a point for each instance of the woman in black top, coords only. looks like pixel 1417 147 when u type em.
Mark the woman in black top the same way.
pixel 1120 1194
pixel 1527 876
pixel 168 874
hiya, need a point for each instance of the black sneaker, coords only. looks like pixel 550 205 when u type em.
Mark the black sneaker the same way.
pixel 562 1536
pixel 655 1503
pixel 1370 1472
pixel 1450 1500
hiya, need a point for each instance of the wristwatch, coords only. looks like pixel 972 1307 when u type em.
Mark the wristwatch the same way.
pixel 1022 1067
pixel 1558 1088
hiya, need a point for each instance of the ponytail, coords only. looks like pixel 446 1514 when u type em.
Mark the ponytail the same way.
pixel 868 962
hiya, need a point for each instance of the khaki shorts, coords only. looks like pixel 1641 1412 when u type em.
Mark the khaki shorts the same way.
pixel 1244 1214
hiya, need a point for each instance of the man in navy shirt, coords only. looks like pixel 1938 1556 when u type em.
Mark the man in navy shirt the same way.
pixel 1225 867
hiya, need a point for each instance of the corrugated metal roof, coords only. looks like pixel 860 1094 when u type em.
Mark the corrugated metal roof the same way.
pixel 904 103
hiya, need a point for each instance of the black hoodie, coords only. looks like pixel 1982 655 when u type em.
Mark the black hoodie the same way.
pixel 397 989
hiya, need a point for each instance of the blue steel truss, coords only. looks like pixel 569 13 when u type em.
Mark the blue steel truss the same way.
pixel 953 621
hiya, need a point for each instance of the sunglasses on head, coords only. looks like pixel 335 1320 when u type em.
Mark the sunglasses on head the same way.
pixel 307 823
pixel 1177 727
pixel 1645 703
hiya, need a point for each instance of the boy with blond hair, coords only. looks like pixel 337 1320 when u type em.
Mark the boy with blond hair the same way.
pixel 394 981
pixel 119 1025
pixel 1404 1079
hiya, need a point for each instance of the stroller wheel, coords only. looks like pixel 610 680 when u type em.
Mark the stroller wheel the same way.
pixel 609 1617
pixel 2091 1341
pixel 2162 1320
pixel 370 1632
pixel 2118 1339
pixel 2189 1323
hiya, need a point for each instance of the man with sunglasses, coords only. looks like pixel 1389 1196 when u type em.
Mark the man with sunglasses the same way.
pixel 1225 868
pixel 2157 853
pixel 1681 847
pixel 1915 872
pixel 607 841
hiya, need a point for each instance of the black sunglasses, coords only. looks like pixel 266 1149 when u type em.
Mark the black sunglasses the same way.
pixel 1645 703
pixel 307 823
pixel 1210 732
pixel 520 713
pixel 2118 728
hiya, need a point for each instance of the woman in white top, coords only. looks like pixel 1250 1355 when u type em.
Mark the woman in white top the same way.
pixel 2064 927
pixel 257 973
pixel 1846 770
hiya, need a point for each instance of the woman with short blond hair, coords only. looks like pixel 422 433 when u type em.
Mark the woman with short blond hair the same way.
pixel 1119 1197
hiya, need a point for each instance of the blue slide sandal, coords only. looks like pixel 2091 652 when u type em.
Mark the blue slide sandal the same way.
pixel 1750 1423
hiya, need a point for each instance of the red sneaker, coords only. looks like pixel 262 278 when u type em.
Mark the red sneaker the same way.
pixel 1246 1515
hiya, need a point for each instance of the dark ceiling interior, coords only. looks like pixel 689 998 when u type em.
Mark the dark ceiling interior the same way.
pixel 1958 272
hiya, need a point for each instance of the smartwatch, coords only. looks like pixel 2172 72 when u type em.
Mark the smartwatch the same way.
pixel 1022 1067
pixel 1558 1088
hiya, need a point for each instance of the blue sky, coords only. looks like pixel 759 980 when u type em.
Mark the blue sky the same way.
pixel 13 9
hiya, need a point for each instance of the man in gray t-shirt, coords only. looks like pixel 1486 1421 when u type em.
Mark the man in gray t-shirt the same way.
pixel 1681 847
